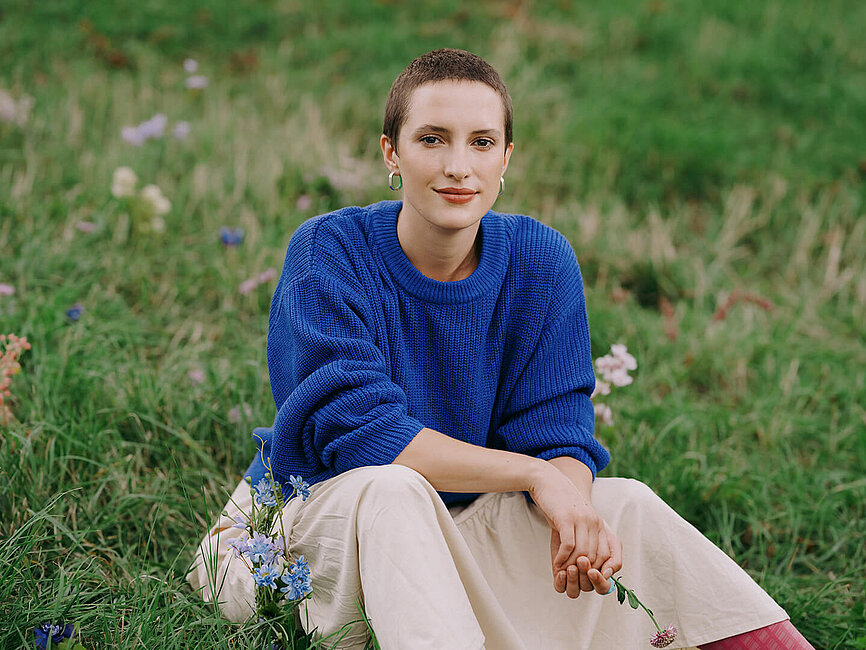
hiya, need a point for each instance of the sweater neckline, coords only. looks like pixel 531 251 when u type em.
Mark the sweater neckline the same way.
pixel 487 275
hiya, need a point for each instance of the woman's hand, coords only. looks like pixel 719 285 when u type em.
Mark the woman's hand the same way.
pixel 584 550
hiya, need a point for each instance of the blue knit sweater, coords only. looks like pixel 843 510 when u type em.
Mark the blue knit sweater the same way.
pixel 364 350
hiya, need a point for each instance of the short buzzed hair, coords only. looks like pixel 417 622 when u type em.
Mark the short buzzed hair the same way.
pixel 441 65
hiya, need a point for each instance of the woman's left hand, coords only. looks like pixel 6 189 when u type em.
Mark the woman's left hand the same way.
pixel 583 575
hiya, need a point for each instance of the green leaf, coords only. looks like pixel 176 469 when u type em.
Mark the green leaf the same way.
pixel 620 593
pixel 632 600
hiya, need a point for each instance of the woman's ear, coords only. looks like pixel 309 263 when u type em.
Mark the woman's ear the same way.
pixel 507 157
pixel 389 154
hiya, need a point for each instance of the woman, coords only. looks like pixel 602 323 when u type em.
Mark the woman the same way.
pixel 430 364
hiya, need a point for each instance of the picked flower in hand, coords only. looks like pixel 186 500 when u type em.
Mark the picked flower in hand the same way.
pixel 663 637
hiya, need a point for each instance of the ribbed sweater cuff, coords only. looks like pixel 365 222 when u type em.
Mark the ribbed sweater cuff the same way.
pixel 379 446
pixel 578 453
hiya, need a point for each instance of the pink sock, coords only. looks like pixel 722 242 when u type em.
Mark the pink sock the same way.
pixel 779 636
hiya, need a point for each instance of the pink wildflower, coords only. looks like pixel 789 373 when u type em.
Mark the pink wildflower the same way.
pixel 305 202
pixel 248 286
pixel 196 375
pixel 190 65
pixel 235 414
pixel 6 290
pixel 664 638
pixel 13 346
pixel 603 413
pixel 267 275
pixel 86 226
pixel 601 388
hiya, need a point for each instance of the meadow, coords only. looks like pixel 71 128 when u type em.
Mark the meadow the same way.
pixel 706 161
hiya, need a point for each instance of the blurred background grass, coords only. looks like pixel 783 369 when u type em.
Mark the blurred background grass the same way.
pixel 705 159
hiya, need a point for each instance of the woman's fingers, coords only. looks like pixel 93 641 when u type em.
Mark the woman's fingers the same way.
pixel 600 583
pixel 614 561
pixel 560 581
pixel 573 588
pixel 583 567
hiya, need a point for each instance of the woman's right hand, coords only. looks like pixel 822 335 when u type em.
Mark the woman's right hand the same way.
pixel 584 550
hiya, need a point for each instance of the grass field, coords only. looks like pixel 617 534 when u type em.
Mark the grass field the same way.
pixel 705 159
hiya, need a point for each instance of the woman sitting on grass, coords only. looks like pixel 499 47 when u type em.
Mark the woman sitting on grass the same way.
pixel 430 362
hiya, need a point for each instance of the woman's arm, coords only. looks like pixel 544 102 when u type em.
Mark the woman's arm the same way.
pixel 454 466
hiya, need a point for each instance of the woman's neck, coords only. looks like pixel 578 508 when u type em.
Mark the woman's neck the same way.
pixel 446 260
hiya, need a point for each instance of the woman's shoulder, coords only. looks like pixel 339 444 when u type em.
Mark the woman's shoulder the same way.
pixel 327 242
pixel 535 243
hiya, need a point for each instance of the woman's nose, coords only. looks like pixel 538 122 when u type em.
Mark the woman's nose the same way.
pixel 457 163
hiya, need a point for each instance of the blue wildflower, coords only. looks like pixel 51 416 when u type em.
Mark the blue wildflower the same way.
pixel 297 581
pixel 300 486
pixel 260 548
pixel 266 575
pixel 74 312
pixel 57 631
pixel 264 493
pixel 231 236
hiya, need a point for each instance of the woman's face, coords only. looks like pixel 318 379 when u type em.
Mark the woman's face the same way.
pixel 452 152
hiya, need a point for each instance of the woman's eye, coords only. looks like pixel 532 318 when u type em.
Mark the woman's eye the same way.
pixel 484 143
pixel 429 139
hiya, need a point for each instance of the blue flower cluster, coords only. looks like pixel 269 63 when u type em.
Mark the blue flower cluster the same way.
pixel 299 583
pixel 58 632
pixel 265 493
pixel 267 556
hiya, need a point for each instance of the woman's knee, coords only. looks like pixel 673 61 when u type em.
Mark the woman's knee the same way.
pixel 393 482
pixel 631 496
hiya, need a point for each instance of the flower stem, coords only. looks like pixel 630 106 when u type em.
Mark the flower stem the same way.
pixel 637 600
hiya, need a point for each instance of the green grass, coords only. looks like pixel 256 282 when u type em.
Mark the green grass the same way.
pixel 688 150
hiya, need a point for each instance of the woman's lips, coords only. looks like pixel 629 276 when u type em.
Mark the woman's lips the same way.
pixel 454 195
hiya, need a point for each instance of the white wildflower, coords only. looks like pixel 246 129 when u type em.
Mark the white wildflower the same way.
pixel 14 111
pixel 123 182
pixel 196 82
pixel 190 65
pixel 153 195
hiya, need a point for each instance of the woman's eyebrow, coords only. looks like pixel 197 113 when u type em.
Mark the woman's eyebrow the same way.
pixel 433 128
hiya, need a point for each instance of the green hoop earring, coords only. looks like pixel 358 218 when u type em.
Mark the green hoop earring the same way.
pixel 391 181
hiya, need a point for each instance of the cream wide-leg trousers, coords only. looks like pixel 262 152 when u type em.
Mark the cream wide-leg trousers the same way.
pixel 479 576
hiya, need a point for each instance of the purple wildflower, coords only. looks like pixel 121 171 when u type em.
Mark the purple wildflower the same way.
pixel 74 312
pixel 180 130
pixel 231 236
pixel 132 135
pixel 58 632
pixel 663 638
pixel 6 290
pixel 261 548
pixel 239 545
pixel 196 82
pixel 153 127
